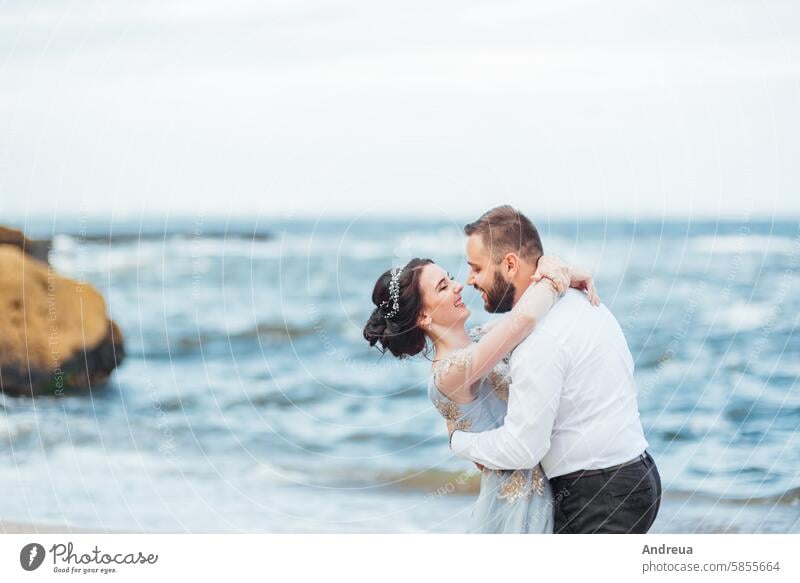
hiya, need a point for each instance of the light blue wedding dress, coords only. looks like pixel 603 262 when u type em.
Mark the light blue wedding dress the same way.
pixel 510 501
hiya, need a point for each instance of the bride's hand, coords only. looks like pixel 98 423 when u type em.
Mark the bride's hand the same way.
pixel 582 279
pixel 564 276
pixel 555 270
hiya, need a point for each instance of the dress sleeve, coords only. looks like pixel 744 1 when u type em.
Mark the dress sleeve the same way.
pixel 450 372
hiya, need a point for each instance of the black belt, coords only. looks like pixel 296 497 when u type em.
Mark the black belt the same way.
pixel 584 473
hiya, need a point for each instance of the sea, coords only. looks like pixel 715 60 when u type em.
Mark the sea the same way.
pixel 249 401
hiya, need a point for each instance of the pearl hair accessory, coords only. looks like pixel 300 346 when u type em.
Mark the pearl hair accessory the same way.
pixel 394 293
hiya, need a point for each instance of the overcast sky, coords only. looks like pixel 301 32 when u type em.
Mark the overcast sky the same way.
pixel 627 109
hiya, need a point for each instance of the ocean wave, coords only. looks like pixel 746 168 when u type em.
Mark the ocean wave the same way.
pixel 10 432
pixel 428 243
pixel 741 316
pixel 289 247
pixel 741 244
pixel 274 330
pixel 270 330
pixel 275 398
pixel 265 471
pixel 188 345
pixel 122 237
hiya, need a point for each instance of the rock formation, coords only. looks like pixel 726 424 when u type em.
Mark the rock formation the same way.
pixel 55 334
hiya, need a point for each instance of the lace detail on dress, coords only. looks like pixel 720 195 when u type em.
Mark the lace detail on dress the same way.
pixel 462 358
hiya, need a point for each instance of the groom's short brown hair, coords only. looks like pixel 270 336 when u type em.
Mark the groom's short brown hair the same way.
pixel 503 230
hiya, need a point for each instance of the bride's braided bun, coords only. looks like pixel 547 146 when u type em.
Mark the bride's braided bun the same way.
pixel 396 330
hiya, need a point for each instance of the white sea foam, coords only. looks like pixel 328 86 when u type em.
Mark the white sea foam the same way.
pixel 11 431
pixel 265 471
pixel 741 316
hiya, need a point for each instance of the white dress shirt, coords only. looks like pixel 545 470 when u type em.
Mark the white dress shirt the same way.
pixel 572 400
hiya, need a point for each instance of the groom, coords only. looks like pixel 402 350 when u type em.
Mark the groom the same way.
pixel 572 401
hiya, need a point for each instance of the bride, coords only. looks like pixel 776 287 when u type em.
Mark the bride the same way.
pixel 469 379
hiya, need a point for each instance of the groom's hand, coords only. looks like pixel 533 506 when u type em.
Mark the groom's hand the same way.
pixel 452 427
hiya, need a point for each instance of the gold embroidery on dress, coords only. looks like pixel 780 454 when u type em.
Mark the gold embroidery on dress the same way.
pixel 449 411
pixel 516 485
pixel 537 477
pixel 463 424
pixel 499 383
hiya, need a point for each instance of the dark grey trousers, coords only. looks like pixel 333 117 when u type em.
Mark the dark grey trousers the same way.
pixel 622 500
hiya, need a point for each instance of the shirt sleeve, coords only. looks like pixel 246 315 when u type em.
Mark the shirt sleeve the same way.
pixel 538 367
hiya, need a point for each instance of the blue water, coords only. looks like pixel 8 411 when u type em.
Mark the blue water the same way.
pixel 250 402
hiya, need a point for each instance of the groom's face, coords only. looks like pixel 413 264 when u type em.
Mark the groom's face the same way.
pixel 485 275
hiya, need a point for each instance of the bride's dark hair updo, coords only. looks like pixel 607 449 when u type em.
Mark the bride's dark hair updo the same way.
pixel 400 333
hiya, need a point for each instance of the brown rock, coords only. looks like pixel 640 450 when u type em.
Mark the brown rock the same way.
pixel 54 331
pixel 37 249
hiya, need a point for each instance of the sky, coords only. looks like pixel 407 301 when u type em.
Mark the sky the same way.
pixel 354 108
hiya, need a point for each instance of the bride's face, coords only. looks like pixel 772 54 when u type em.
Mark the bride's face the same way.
pixel 442 305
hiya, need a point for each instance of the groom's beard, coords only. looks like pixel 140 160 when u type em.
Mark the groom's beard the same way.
pixel 500 298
